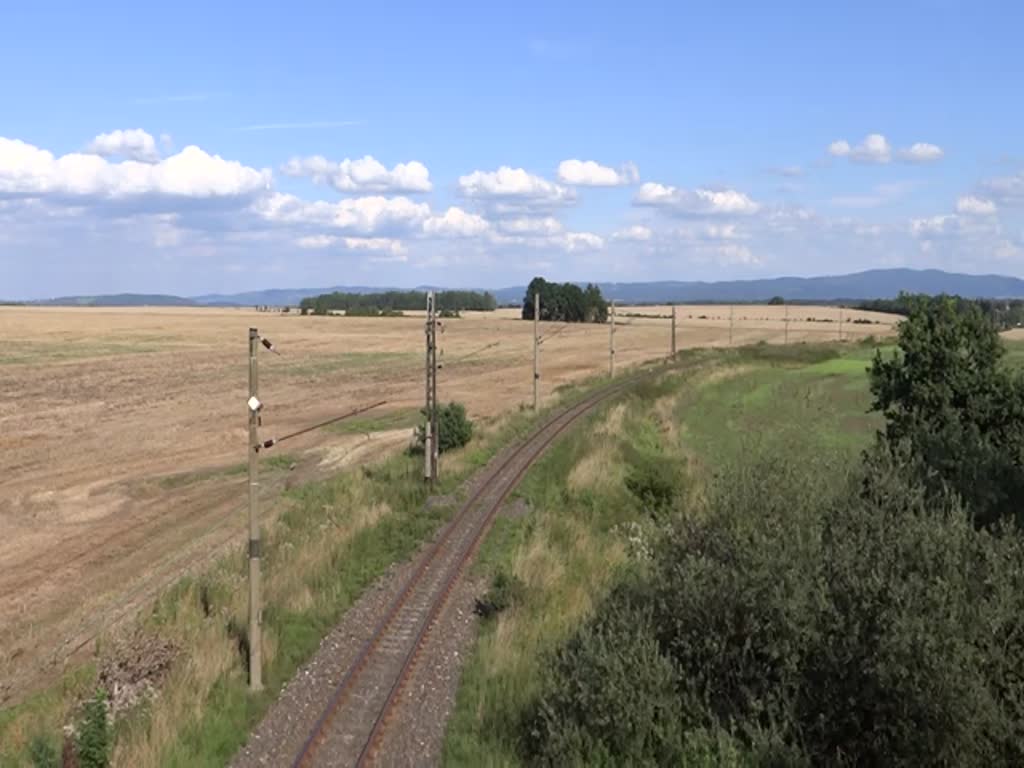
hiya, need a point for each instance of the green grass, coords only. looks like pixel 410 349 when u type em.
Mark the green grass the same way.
pixel 42 715
pixel 274 462
pixel 800 401
pixel 401 419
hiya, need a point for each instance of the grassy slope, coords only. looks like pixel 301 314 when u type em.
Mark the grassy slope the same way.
pixel 569 548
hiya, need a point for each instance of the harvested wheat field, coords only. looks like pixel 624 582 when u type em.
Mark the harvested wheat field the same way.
pixel 123 431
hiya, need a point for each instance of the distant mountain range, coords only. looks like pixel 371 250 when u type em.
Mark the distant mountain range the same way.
pixel 873 284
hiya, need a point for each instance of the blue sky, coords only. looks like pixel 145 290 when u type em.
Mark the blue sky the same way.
pixel 204 147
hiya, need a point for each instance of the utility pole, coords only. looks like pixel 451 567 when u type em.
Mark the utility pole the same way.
pixel 732 313
pixel 673 331
pixel 255 611
pixel 431 444
pixel 611 343
pixel 536 349
pixel 786 321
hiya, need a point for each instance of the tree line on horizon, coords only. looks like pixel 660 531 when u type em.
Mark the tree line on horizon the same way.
pixel 397 301
pixel 1002 313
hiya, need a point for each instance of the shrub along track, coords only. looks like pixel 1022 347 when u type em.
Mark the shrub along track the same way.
pixel 351 726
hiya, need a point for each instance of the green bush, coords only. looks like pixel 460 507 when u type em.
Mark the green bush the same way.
pixel 609 698
pixel 454 427
pixel 505 591
pixel 94 733
pixel 797 620
pixel 654 482
pixel 43 753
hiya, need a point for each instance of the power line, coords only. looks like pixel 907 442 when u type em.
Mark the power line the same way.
pixel 355 412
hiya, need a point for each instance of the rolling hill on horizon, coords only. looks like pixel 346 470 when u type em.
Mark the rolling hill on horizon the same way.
pixel 871 284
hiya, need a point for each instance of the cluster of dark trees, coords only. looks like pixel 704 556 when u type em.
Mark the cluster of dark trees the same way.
pixel 396 301
pixel 1002 313
pixel 808 617
pixel 565 302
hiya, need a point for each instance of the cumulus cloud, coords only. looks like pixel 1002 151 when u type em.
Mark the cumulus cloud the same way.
pixel 513 184
pixel 695 202
pixel 131 144
pixel 975 206
pixel 921 152
pixel 382 244
pixel 456 222
pixel 637 233
pixel 27 171
pixel 579 241
pixel 360 215
pixel 875 148
pixel 587 173
pixel 365 174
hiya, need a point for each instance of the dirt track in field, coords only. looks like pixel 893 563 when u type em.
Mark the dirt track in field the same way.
pixel 122 430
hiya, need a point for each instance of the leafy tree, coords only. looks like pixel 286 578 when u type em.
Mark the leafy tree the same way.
pixel 565 302
pixel 776 301
pixel 951 404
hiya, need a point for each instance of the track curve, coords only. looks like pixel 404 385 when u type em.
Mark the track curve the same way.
pixel 353 725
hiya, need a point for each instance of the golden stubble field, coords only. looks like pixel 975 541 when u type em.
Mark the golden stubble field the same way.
pixel 122 431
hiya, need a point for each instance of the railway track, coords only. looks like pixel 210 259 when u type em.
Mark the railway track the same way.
pixel 353 725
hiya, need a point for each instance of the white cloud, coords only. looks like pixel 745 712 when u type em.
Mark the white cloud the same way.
pixel 731 253
pixel 131 144
pixel 579 241
pixel 456 223
pixel 921 152
pixel 975 206
pixel 637 233
pixel 530 225
pixel 376 244
pixel 381 244
pixel 587 173
pixel 695 202
pixel 930 226
pixel 360 215
pixel 513 184
pixel 27 171
pixel 839 148
pixel 362 175
pixel 875 148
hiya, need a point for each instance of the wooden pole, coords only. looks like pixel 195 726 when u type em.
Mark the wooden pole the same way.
pixel 255 608
pixel 611 343
pixel 673 331
pixel 536 350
